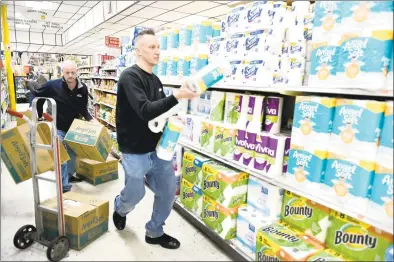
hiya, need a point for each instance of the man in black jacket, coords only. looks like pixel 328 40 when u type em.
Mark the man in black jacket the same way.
pixel 141 99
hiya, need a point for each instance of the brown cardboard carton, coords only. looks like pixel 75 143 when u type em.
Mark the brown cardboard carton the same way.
pixel 96 172
pixel 20 121
pixel 86 219
pixel 89 140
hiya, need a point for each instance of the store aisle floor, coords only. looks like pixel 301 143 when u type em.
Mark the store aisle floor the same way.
pixel 128 245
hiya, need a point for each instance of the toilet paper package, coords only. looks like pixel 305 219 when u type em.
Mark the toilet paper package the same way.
pixel 356 129
pixel 347 182
pixel 184 66
pixel 360 15
pixel 312 122
pixel 279 12
pixel 306 169
pixel 253 73
pixel 234 47
pixel 197 129
pixel 207 135
pixel 327 255
pixel 277 242
pixel 218 100
pixel 235 77
pixel 300 8
pixel 273 115
pixel 295 76
pixel 297 48
pixel 254 43
pixel 201 32
pixel 226 186
pixel 216 29
pixel 324 59
pixel 236 109
pixel 249 221
pixel 185 38
pixel 197 63
pixel 172 68
pixel 389 78
pixel 220 219
pixel 162 67
pixel 187 132
pixel 256 15
pixel 327 21
pixel 217 47
pixel 235 21
pixel 173 39
pixel 225 140
pixel 255 110
pixel 207 77
pixel 163 39
pixel 274 40
pixel 191 197
pixel 381 202
pixel 192 167
pixel 309 217
pixel 265 198
pixel 362 58
pixel 287 154
pixel 165 148
pixel 356 240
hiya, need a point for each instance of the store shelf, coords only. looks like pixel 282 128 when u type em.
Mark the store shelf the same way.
pixel 106 90
pixel 113 125
pixel 111 106
pixel 105 77
pixel 283 183
pixel 109 69
pixel 83 67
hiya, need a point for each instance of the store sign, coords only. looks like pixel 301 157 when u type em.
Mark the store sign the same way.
pixel 29 22
pixel 112 41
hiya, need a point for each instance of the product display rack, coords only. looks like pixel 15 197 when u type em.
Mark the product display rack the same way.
pixel 5 118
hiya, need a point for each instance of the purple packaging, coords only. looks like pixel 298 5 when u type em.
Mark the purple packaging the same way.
pixel 260 160
pixel 273 115
pixel 286 155
pixel 239 142
pixel 249 145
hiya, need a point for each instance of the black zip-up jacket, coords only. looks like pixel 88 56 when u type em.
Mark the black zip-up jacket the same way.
pixel 140 99
pixel 70 104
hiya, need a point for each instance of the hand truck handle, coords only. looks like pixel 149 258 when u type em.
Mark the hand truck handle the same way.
pixel 14 113
pixel 47 117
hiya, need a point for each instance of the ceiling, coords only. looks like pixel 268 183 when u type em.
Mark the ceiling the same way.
pixel 47 28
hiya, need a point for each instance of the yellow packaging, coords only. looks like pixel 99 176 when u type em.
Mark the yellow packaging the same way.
pixel 86 218
pixel 96 172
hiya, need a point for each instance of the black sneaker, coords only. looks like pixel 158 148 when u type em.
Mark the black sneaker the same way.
pixel 119 221
pixel 165 241
pixel 74 179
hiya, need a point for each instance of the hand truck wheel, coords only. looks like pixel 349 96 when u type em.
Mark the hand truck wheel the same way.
pixel 58 249
pixel 24 237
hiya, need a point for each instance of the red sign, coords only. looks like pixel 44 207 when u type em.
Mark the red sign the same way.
pixel 112 41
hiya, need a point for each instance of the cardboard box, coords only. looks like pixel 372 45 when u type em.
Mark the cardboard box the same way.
pixel 96 172
pixel 15 152
pixel 20 121
pixel 89 140
pixel 86 219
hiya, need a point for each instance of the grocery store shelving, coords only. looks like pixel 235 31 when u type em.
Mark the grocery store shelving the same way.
pixel 108 105
pixel 105 77
pixel 109 69
pixel 105 90
pixel 83 67
pixel 281 182
pixel 111 124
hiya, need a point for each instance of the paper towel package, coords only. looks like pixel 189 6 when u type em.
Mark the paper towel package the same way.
pixel 224 144
pixel 265 198
pixel 191 197
pixel 254 43
pixel 185 37
pixel 217 47
pixel 253 73
pixel 197 63
pixel 235 48
pixel 324 59
pixel 312 122
pixel 218 138
pixel 172 68
pixel 187 132
pixel 236 75
pixel 249 221
pixel 295 76
pixel 255 109
pixel 256 15
pixel 306 216
pixel 226 186
pixel 356 240
pixel 201 32
pixel 389 79
pixel 306 169
pixel 287 154
pixel 173 39
pixel 220 219
pixel 197 129
pixel 348 182
pixel 207 135
pixel 239 145
pixel 162 67
pixel 249 144
pixel 163 40
pixel 356 129
pixel 362 58
pixel 192 167
pixel 184 66
pixel 273 115
pixel 277 242
pixel 327 255
pixel 236 109
pixel 218 100
pixel 216 29
pixel 327 21
pixel 235 20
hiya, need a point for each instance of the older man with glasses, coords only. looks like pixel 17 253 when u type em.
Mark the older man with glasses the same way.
pixel 71 96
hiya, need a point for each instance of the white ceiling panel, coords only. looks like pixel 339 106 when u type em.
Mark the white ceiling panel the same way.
pixel 77 3
pixel 35 30
pixel 132 9
pixel 149 12
pixel 130 20
pixel 45 48
pixel 33 48
pixel 120 27
pixel 196 7
pixel 83 10
pixel 68 8
pixel 22 47
pixel 12 36
pixel 51 30
pixel 64 15
pixel 146 2
pixel 49 39
pixel 36 38
pixel 76 16
pixel 116 18
pixel 216 11
pixel 169 5
pixel 222 2
pixel 105 32
pixel 58 20
pixel 152 23
pixel 171 16
pixel 106 25
pixel 190 19
pixel 71 21
pixel 10 11
pixel 58 39
pixel 120 5
pixel 91 3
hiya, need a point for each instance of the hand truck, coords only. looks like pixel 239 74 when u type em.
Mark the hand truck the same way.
pixel 28 234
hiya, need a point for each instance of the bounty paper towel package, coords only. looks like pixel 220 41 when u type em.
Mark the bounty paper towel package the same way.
pixel 312 122
pixel 228 187
pixel 236 109
pixel 217 106
pixel 356 128
pixel 273 114
pixel 327 20
pixel 364 59
pixel 222 220
pixel 192 167
pixel 265 198
pixel 356 240
pixel 277 242
pixel 306 216
pixel 191 197
pixel 207 135
pixel 249 221
pixel 306 169
pixel 324 59
pixel 327 255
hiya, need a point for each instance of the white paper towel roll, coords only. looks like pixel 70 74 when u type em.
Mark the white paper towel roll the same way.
pixel 273 114
pixel 255 109
pixel 276 152
pixel 165 148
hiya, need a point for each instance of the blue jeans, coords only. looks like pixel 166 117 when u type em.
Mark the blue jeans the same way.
pixel 68 168
pixel 161 179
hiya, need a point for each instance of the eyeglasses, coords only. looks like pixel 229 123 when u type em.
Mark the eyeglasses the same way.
pixel 70 73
